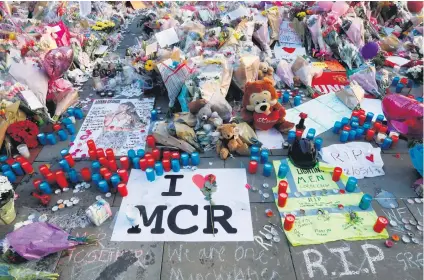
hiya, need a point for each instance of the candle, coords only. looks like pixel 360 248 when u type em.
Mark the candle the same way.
pixel 103 186
pixel 267 169
pixel 370 117
pixel 352 135
pixel 78 114
pixel 175 155
pixel 95 166
pixel 345 121
pixel 286 97
pixel 16 167
pixel 355 113
pixel 410 83
pixel 365 202
pixel 64 165
pixel 159 168
pixel 62 135
pixel 142 164
pixel 92 154
pixel 115 180
pixel 123 174
pixel 166 165
pixel 125 163
pixel 3 158
pixel 150 173
pixel 86 174
pixel 380 137
pixel 344 136
pixel 253 167
pixel 291 136
pixel 37 183
pixel 140 153
pixel 70 160
pixel 148 155
pixel 112 165
pixel 395 81
pixel 131 153
pixel 282 170
pixel 299 134
pixel 255 158
pixel 380 118
pixel 385 146
pixel 100 153
pixel 151 163
pixel 297 100
pixel 395 140
pixel 366 127
pixel 370 135
pixel 61 179
pixel 71 129
pixel 64 152
pixel 354 119
pixel 289 222
pixel 5 168
pixel 110 155
pixel 103 171
pixel 311 134
pixel 264 156
pixel 380 224
pixel 399 87
pixel 51 178
pixel 282 186
pixel 51 139
pixel 282 199
pixel 104 162
pixel 318 143
pixel 346 128
pixel 351 184
pixel 70 111
pixel 175 165
pixel 107 176
pixel 166 155
pixel 44 170
pixel 96 178
pixel 27 167
pixel 136 162
pixel 184 159
pixel 362 119
pixel 359 133
pixel 42 138
pixel 91 145
pixel 383 129
pixel 73 176
pixel 122 189
pixel 337 126
pixel 151 142
pixel 156 154
pixel 45 188
pixel 10 176
pixel 195 159
pixel 354 125
pixel 337 172
pixel 254 151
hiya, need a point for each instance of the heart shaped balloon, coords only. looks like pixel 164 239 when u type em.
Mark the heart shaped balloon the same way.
pixel 57 61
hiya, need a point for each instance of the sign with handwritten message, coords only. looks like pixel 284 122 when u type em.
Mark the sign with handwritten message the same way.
pixel 119 124
pixel 174 208
pixel 288 35
pixel 324 210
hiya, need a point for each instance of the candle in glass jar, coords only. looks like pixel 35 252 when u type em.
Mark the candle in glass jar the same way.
pixel 159 168
pixel 64 165
pixel 395 140
pixel 61 179
pixel 337 127
pixel 44 170
pixel 37 183
pixel 370 134
pixel 136 162
pixel 185 159
pixel 115 180
pixel 267 169
pixel 283 170
pixel 299 134
pixel 103 171
pixel 16 167
pixel 131 153
pixel 51 178
pixel 337 173
pixel 140 153
pixel 195 159
pixel 264 156
pixel 112 165
pixel 151 163
pixel 150 173
pixel 362 119
pixel 175 155
pixel 95 166
pixel 175 164
pixel 166 155
pixel 104 162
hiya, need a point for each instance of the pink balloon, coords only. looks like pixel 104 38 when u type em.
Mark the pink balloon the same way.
pixel 340 8
pixel 325 5
pixel 404 114
pixel 57 61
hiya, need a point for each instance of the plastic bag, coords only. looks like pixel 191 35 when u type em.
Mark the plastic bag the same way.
pixel 351 95
pixel 365 77
pixel 285 73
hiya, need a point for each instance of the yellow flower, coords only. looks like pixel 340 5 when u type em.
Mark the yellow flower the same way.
pixel 301 14
pixel 149 65
pixel 237 35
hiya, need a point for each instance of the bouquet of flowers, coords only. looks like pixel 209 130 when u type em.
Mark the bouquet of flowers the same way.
pixel 349 54
pixel 416 73
pixel 8 271
pixel 105 25
pixel 24 132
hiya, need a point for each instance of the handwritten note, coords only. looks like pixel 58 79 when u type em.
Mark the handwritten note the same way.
pixel 288 35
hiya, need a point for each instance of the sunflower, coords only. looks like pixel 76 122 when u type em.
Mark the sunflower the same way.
pixel 149 65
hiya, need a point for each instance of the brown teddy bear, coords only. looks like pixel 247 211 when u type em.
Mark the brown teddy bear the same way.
pixel 266 71
pixel 230 142
pixel 261 107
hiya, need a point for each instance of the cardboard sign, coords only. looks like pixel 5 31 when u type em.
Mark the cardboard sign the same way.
pixel 288 35
pixel 174 208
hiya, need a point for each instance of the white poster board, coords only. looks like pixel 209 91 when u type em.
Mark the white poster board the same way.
pixel 119 124
pixel 230 202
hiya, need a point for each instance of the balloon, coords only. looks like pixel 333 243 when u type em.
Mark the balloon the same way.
pixel 415 6
pixel 325 5
pixel 57 61
pixel 340 7
pixel 404 114
pixel 416 154
pixel 370 50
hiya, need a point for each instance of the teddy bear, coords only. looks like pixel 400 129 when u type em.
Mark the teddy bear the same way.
pixel 265 70
pixel 202 108
pixel 261 107
pixel 230 142
pixel 206 116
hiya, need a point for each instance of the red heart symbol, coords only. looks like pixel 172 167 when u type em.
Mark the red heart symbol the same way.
pixel 198 180
pixel 370 157
pixel 289 50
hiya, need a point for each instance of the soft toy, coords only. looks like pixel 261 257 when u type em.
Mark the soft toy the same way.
pixel 230 142
pixel 219 105
pixel 261 107
pixel 206 116
pixel 265 70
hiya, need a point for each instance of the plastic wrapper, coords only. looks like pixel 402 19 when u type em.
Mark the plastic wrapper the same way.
pixel 284 72
pixel 365 77
pixel 8 271
pixel 261 35
pixel 351 95
pixel 348 54
pixel 246 70
pixel 354 29
pixel 184 132
pixel 304 71
pixel 314 26
pixel 274 22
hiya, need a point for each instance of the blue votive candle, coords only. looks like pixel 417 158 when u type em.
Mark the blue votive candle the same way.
pixel 42 138
pixel 318 143
pixel 159 168
pixel 366 126
pixel 3 158
pixel 78 114
pixel 365 202
pixel 345 121
pixel 70 111
pixel 291 136
pixel 354 125
pixel 71 129
pixel 62 135
pixel 255 158
pixel 73 176
pixel 154 115
pixel 399 87
pixel 311 134
pixel 17 169
pixel 10 176
pixel 131 153
pixel 354 119
pixel 395 81
pixel 286 97
pixel 380 118
pixel 45 188
pixel 96 178
pixel 115 180
pixel 195 159
pixel 64 165
pixel 64 152
pixel 51 139
pixel 282 170
pixel 385 146
pixel 175 164
pixel 337 126
pixel 359 133
pixel 297 100
pixel 369 117
pixel 185 159
pixel 344 135
pixel 351 184
pixel 254 151
pixel 150 173
pixel 5 167
pixel 352 135
pixel 95 167
pixel 103 186
pixel 140 153
pixel 136 162
pixel 264 156
pixel 267 169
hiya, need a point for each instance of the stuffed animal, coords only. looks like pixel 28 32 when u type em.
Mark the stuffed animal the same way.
pixel 219 105
pixel 206 116
pixel 265 70
pixel 230 142
pixel 261 107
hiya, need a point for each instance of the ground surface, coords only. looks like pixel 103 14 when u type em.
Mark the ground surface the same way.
pixel 231 260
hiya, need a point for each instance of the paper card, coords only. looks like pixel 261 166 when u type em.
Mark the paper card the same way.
pixel 167 37
pixel 400 61
pixel 32 100
pixel 152 48
pixel 271 139
pixel 288 35
pixel 241 11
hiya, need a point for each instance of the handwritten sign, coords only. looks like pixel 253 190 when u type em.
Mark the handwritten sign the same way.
pixel 119 124
pixel 288 35
pixel 311 179
pixel 173 208
pixel 358 159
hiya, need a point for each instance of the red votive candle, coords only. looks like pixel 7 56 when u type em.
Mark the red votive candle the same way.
pixel 166 155
pixel 383 129
pixel 103 171
pixel 299 134
pixel 253 167
pixel 175 155
pixel 27 167
pixel 125 163
pixel 86 174
pixel 50 178
pixel 61 179
pixel 362 112
pixel 143 164
pixel 370 134
pixel 92 154
pixel 166 165
pixel 346 128
pixel 282 199
pixel 362 119
pixel 123 174
pixel 377 126
pixel 150 163
pixel 150 140
pixel 104 162
pixel 70 160
pixel 122 189
pixel 289 222
pixel 57 127
pixel 156 154
pixel 20 159
pixel 107 176
pixel 112 165
pixel 395 140
pixel 37 183
pixel 355 113
pixel 380 224
pixel 100 153
pixel 337 172
pixel 282 186
pixel 44 170
pixel 110 154
pixel 148 155
pixel 91 145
